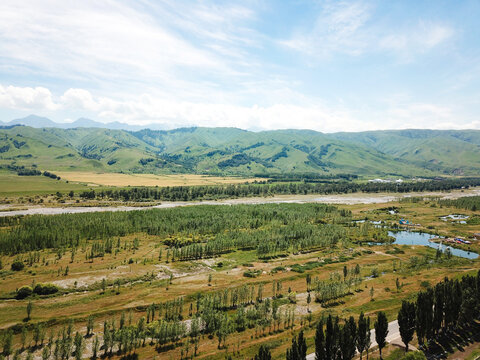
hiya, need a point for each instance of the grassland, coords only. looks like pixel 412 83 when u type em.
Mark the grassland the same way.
pixel 113 179
pixel 18 186
pixel 146 278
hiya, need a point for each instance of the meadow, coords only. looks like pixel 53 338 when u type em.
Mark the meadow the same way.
pixel 115 179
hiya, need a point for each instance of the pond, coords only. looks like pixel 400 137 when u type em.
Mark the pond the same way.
pixel 417 238
pixel 456 217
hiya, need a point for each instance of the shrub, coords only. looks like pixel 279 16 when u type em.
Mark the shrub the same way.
pixel 18 265
pixel 252 273
pixel 277 269
pixel 425 284
pixel 23 292
pixel 45 289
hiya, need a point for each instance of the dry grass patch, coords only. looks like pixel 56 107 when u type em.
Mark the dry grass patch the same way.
pixel 114 179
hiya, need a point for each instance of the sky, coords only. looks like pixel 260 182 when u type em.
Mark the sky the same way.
pixel 267 64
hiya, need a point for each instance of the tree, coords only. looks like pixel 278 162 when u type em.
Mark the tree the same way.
pixel 263 353
pixel 320 342
pixel 79 345
pixel 424 316
pixel 298 351
pixel 7 343
pixel 302 346
pixel 362 334
pixel 347 341
pixel 368 337
pixel 381 331
pixel 95 347
pixel 29 310
pixel 46 353
pixel 329 339
pixel 24 336
pixel 90 322
pixel 406 322
pixel 36 333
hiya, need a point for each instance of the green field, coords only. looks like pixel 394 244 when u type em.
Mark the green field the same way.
pixel 13 185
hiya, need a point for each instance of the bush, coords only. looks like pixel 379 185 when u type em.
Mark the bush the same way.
pixel 252 273
pixel 45 289
pixel 23 292
pixel 425 284
pixel 247 264
pixel 18 265
pixel 277 269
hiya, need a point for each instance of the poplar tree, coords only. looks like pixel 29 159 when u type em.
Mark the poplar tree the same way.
pixel 381 331
pixel 263 354
pixel 362 334
pixel 406 322
pixel 320 342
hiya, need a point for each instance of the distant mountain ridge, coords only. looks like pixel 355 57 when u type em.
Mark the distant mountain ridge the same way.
pixel 41 122
pixel 87 146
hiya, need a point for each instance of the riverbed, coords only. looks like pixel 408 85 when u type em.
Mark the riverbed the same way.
pixel 345 199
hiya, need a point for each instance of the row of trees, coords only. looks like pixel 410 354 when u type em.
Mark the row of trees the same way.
pixel 469 203
pixel 336 341
pixel 440 310
pixel 188 193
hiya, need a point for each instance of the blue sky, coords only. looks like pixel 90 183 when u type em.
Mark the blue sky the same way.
pixel 323 65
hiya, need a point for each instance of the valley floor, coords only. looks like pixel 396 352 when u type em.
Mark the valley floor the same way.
pixel 139 273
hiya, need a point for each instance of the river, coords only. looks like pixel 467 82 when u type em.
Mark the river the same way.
pixel 346 199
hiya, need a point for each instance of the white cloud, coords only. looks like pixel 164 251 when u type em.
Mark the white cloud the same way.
pixel 422 38
pixel 121 45
pixel 26 98
pixel 79 99
pixel 397 112
pixel 338 29
pixel 347 28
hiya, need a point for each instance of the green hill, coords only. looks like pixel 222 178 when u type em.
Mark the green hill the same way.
pixel 231 151
pixel 447 152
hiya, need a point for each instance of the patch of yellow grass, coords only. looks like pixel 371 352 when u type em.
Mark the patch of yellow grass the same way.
pixel 114 179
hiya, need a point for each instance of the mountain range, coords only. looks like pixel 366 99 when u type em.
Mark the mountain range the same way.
pixel 231 151
pixel 41 122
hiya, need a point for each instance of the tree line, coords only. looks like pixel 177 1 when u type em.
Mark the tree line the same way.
pixel 189 193
pixel 469 203
pixel 441 310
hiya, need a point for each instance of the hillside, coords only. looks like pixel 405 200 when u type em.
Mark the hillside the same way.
pixel 447 151
pixel 232 151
